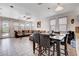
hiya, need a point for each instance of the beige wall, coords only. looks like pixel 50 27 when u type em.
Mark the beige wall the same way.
pixel 11 28
pixel 44 24
pixel 76 21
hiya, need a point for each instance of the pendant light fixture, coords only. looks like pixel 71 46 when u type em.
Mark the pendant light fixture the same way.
pixel 59 7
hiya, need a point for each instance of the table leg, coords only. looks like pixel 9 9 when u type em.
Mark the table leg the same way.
pixel 58 48
pixel 33 47
pixel 39 51
pixel 66 50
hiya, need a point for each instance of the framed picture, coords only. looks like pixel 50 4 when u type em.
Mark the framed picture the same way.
pixel 72 21
pixel 39 24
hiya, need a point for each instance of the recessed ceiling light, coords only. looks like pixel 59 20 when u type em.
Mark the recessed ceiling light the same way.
pixel 39 3
pixel 12 6
pixel 48 8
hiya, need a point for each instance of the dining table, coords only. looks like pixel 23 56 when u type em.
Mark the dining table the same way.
pixel 58 38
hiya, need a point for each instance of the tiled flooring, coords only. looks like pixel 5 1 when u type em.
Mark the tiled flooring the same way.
pixel 16 47
pixel 19 47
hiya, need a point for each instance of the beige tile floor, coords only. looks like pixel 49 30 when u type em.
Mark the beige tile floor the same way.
pixel 22 47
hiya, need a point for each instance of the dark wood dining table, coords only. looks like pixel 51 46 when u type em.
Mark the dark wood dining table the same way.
pixel 58 38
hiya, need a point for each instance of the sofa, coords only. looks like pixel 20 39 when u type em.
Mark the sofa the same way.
pixel 24 33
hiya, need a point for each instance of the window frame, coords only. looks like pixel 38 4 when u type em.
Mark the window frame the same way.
pixel 63 24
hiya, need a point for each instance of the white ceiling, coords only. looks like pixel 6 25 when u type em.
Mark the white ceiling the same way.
pixel 34 10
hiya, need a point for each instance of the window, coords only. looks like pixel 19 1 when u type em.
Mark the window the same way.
pixel 5 27
pixel 16 26
pixel 21 26
pixel 28 25
pixel 53 24
pixel 63 24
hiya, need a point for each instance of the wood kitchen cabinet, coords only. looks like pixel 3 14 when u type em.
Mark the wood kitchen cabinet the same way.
pixel 77 29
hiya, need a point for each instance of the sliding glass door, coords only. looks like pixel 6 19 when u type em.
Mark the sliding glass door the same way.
pixel 5 28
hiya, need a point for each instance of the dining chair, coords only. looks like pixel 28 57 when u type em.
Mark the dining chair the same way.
pixel 71 36
pixel 64 43
pixel 46 44
pixel 56 32
pixel 36 40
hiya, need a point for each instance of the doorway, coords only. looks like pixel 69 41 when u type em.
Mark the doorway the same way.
pixel 5 28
